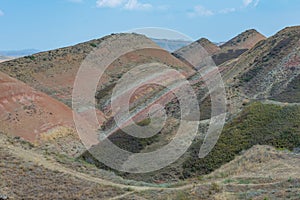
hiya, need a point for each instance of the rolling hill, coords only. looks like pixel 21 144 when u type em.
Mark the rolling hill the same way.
pixel 261 76
pixel 225 52
pixel 270 70
pixel 53 72
pixel 237 46
pixel 30 114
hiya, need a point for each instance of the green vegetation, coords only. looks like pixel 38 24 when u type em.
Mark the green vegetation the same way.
pixel 244 182
pixel 228 55
pixel 144 122
pixel 214 188
pixel 93 45
pixel 30 57
pixel 182 195
pixel 123 141
pixel 227 181
pixel 248 76
pixel 257 124
pixel 105 92
pixel 263 124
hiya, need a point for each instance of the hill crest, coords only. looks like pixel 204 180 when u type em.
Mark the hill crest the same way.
pixel 245 40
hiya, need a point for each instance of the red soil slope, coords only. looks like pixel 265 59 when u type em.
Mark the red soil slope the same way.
pixel 27 113
pixel 53 72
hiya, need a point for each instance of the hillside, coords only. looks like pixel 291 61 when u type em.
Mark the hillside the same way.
pixel 210 47
pixel 225 52
pixel 35 101
pixel 268 134
pixel 263 124
pixel 270 70
pixel 237 46
pixel 261 172
pixel 196 50
pixel 258 173
pixel 53 72
pixel 245 40
pixel 27 172
pixel 30 114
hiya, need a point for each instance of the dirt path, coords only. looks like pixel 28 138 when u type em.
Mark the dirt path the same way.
pixel 39 159
pixel 34 157
pixel 122 196
pixel 129 190
pixel 280 103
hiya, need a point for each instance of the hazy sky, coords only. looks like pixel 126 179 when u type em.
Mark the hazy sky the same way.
pixel 49 24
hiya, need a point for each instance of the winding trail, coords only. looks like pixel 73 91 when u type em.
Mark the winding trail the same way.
pixel 280 103
pixel 40 159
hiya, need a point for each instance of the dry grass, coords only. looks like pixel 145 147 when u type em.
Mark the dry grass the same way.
pixel 261 172
pixel 27 180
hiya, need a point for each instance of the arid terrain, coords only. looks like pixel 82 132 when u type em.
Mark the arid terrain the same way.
pixel 257 155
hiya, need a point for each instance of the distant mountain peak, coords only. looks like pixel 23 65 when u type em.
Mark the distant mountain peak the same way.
pixel 170 44
pixel 245 40
pixel 209 46
pixel 18 53
pixel 203 40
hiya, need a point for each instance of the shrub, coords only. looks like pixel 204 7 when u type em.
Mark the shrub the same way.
pixel 30 57
pixel 93 45
pixel 214 188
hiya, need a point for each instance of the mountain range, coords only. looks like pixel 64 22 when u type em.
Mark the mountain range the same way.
pixel 256 156
pixel 171 45
pixel 18 53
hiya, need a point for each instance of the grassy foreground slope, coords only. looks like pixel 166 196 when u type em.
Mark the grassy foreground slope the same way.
pixel 28 172
pixel 262 124
pixel 257 124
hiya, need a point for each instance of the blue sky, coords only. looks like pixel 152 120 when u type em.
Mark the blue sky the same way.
pixel 49 24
